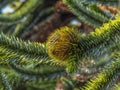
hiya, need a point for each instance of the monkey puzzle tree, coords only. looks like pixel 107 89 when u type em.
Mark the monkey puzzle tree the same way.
pixel 26 65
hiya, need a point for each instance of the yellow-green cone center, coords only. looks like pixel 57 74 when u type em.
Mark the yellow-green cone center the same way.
pixel 62 44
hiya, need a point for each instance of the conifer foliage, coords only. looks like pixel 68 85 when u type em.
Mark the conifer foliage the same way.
pixel 69 59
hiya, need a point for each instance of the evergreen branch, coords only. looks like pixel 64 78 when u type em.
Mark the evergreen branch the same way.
pixel 68 83
pixel 13 78
pixel 95 8
pixel 28 47
pixel 5 82
pixel 92 13
pixel 43 72
pixel 105 2
pixel 42 85
pixel 101 41
pixel 6 53
pixel 27 8
pixel 34 21
pixel 105 36
pixel 27 52
pixel 22 25
pixel 85 14
pixel 106 76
